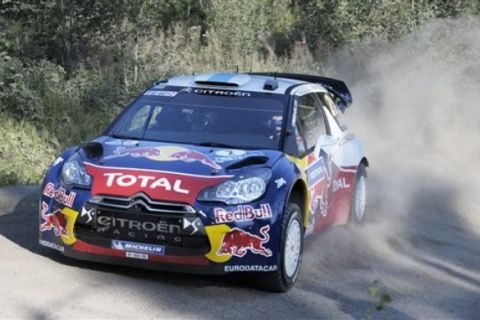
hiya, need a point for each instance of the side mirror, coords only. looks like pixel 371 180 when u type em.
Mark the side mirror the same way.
pixel 324 142
pixel 341 105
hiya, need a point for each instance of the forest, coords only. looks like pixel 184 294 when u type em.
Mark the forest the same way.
pixel 67 67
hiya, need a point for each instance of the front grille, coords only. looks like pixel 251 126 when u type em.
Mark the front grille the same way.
pixel 140 219
pixel 140 202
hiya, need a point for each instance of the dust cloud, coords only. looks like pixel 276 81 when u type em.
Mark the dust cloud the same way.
pixel 417 109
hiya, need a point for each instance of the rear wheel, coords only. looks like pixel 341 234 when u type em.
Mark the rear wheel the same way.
pixel 359 201
pixel 290 255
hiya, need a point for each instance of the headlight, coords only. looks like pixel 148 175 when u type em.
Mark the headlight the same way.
pixel 243 188
pixel 73 172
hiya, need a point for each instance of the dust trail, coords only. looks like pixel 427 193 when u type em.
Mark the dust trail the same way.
pixel 417 108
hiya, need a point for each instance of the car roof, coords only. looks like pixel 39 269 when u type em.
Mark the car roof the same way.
pixel 236 81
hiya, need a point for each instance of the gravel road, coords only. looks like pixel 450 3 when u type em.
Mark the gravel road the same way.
pixel 430 271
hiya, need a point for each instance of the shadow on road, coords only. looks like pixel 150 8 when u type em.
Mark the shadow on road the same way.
pixel 196 294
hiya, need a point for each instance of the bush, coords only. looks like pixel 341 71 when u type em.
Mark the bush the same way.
pixel 24 152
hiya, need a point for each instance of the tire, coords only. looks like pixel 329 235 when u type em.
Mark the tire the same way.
pixel 289 262
pixel 359 199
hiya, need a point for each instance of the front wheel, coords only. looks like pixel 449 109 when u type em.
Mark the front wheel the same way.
pixel 291 251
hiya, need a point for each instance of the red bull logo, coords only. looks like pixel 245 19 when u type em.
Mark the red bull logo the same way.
pixel 53 221
pixel 238 242
pixel 134 152
pixel 165 153
pixel 243 213
pixel 194 156
pixel 60 194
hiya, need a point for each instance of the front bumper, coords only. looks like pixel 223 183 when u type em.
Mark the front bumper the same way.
pixel 237 238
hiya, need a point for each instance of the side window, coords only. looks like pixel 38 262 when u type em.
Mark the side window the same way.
pixel 310 119
pixel 334 110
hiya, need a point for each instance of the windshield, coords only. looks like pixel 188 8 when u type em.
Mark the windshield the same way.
pixel 250 121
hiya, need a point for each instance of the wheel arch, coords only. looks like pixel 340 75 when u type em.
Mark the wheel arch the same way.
pixel 299 195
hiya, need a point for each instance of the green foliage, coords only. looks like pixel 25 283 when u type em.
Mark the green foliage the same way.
pixel 25 152
pixel 68 67
pixel 382 297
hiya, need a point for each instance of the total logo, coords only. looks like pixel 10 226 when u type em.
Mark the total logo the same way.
pixel 144 181
pixel 158 185
pixel 243 213
pixel 340 183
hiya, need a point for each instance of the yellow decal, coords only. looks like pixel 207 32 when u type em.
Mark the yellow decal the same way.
pixel 70 217
pixel 302 165
pixel 215 235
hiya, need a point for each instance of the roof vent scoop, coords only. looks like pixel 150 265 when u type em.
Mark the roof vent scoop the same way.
pixel 223 79
pixel 270 84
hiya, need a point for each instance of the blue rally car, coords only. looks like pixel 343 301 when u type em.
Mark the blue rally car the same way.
pixel 212 174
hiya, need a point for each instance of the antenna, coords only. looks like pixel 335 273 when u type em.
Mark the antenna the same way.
pixel 251 63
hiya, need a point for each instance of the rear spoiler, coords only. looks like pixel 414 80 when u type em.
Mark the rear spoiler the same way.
pixel 337 88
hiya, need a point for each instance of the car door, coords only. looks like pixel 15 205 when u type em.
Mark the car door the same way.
pixel 318 150
pixel 338 144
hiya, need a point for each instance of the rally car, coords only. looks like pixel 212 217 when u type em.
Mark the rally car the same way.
pixel 212 174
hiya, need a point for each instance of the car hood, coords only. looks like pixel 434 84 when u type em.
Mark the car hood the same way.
pixel 179 158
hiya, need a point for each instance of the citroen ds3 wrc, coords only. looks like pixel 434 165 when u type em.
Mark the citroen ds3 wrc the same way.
pixel 211 174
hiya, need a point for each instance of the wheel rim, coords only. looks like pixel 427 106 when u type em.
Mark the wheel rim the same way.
pixel 292 247
pixel 360 198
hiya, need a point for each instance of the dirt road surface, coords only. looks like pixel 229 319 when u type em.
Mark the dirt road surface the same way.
pixel 432 271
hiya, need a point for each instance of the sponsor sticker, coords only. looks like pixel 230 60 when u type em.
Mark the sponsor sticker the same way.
pixel 51 245
pixel 166 153
pixel 158 185
pixel 55 221
pixel 229 93
pixel 225 155
pixel 315 173
pixel 61 195
pixel 340 183
pixel 238 242
pixel 280 182
pixel 254 268
pixel 136 255
pixel 118 142
pixel 160 93
pixel 61 222
pixel 138 247
pixel 243 213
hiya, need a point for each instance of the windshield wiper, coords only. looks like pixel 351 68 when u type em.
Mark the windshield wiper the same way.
pixel 117 136
pixel 219 145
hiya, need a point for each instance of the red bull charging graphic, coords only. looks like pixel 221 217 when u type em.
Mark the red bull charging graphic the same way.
pixel 238 242
pixel 53 221
pixel 164 153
